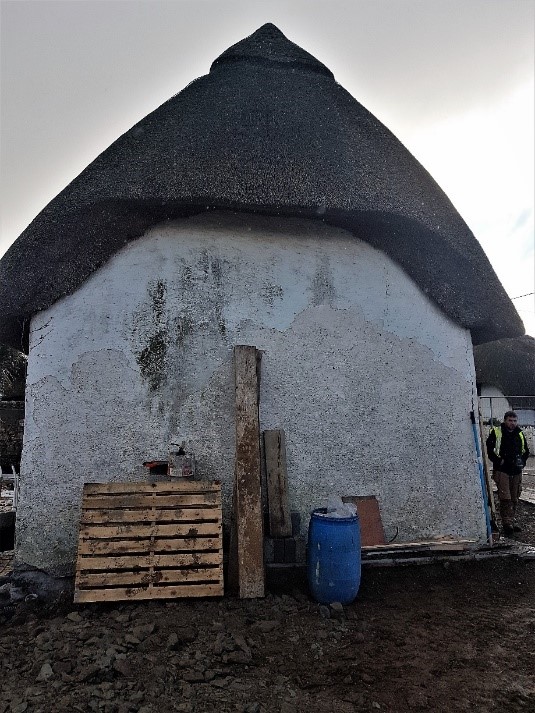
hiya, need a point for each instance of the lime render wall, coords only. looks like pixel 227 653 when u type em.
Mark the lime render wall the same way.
pixel 371 382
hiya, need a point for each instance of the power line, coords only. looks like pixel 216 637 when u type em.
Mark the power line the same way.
pixel 526 295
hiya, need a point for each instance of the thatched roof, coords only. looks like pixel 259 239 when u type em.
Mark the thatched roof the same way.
pixel 267 130
pixel 508 364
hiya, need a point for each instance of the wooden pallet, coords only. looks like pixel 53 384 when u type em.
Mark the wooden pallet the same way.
pixel 149 541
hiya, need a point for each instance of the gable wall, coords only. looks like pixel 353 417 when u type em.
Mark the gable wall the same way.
pixel 371 382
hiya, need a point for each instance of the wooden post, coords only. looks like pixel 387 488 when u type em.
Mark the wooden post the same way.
pixel 233 584
pixel 280 520
pixel 248 502
pixel 488 479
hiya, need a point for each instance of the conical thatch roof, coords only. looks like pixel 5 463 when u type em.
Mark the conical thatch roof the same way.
pixel 267 130
pixel 508 364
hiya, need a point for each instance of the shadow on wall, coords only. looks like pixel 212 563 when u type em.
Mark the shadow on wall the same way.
pixel 11 431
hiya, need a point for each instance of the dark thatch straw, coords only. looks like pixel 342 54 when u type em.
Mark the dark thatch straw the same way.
pixel 267 130
pixel 509 365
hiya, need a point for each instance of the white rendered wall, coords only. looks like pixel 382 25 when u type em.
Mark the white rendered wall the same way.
pixel 498 402
pixel 371 382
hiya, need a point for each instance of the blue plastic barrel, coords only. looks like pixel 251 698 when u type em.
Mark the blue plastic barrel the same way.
pixel 333 557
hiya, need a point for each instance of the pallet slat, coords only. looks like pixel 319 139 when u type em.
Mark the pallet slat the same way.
pixel 131 500
pixel 110 516
pixel 160 487
pixel 193 559
pixel 176 576
pixel 103 547
pixel 148 530
pixel 116 594
pixel 170 547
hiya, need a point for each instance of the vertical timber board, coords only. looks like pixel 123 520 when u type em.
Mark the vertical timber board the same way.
pixel 248 503
pixel 488 479
pixel 280 520
pixel 233 584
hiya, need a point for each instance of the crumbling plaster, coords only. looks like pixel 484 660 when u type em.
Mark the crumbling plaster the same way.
pixel 372 383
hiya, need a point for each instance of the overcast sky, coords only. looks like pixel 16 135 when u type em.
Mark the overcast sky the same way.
pixel 453 79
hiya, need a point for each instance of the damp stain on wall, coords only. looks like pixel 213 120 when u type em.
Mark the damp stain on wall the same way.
pixel 152 357
pixel 157 292
pixel 183 328
pixel 323 291
pixel 151 360
pixel 220 318
pixel 271 292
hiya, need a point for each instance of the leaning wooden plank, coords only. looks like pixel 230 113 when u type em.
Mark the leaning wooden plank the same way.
pixel 117 547
pixel 488 478
pixel 162 515
pixel 233 583
pixel 371 526
pixel 194 486
pixel 98 502
pixel 249 531
pixel 280 520
pixel 135 593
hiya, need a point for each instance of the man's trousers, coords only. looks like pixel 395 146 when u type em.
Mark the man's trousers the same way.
pixel 509 489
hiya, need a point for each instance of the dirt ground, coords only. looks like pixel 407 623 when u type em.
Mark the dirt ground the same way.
pixel 450 636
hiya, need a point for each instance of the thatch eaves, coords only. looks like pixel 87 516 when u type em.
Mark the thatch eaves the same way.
pixel 509 365
pixel 267 130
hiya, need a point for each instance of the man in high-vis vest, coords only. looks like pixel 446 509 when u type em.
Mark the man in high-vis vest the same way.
pixel 508 451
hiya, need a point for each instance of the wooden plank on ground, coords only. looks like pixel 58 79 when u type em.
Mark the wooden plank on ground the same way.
pixel 170 547
pixel 371 527
pixel 280 520
pixel 248 505
pixel 445 545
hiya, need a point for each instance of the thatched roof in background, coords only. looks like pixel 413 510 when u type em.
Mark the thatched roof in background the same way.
pixel 12 373
pixel 508 364
pixel 267 130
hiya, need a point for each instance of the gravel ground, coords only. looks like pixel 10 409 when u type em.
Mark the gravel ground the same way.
pixel 451 636
pixel 417 638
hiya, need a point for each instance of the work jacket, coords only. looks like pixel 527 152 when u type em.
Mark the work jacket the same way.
pixel 504 447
